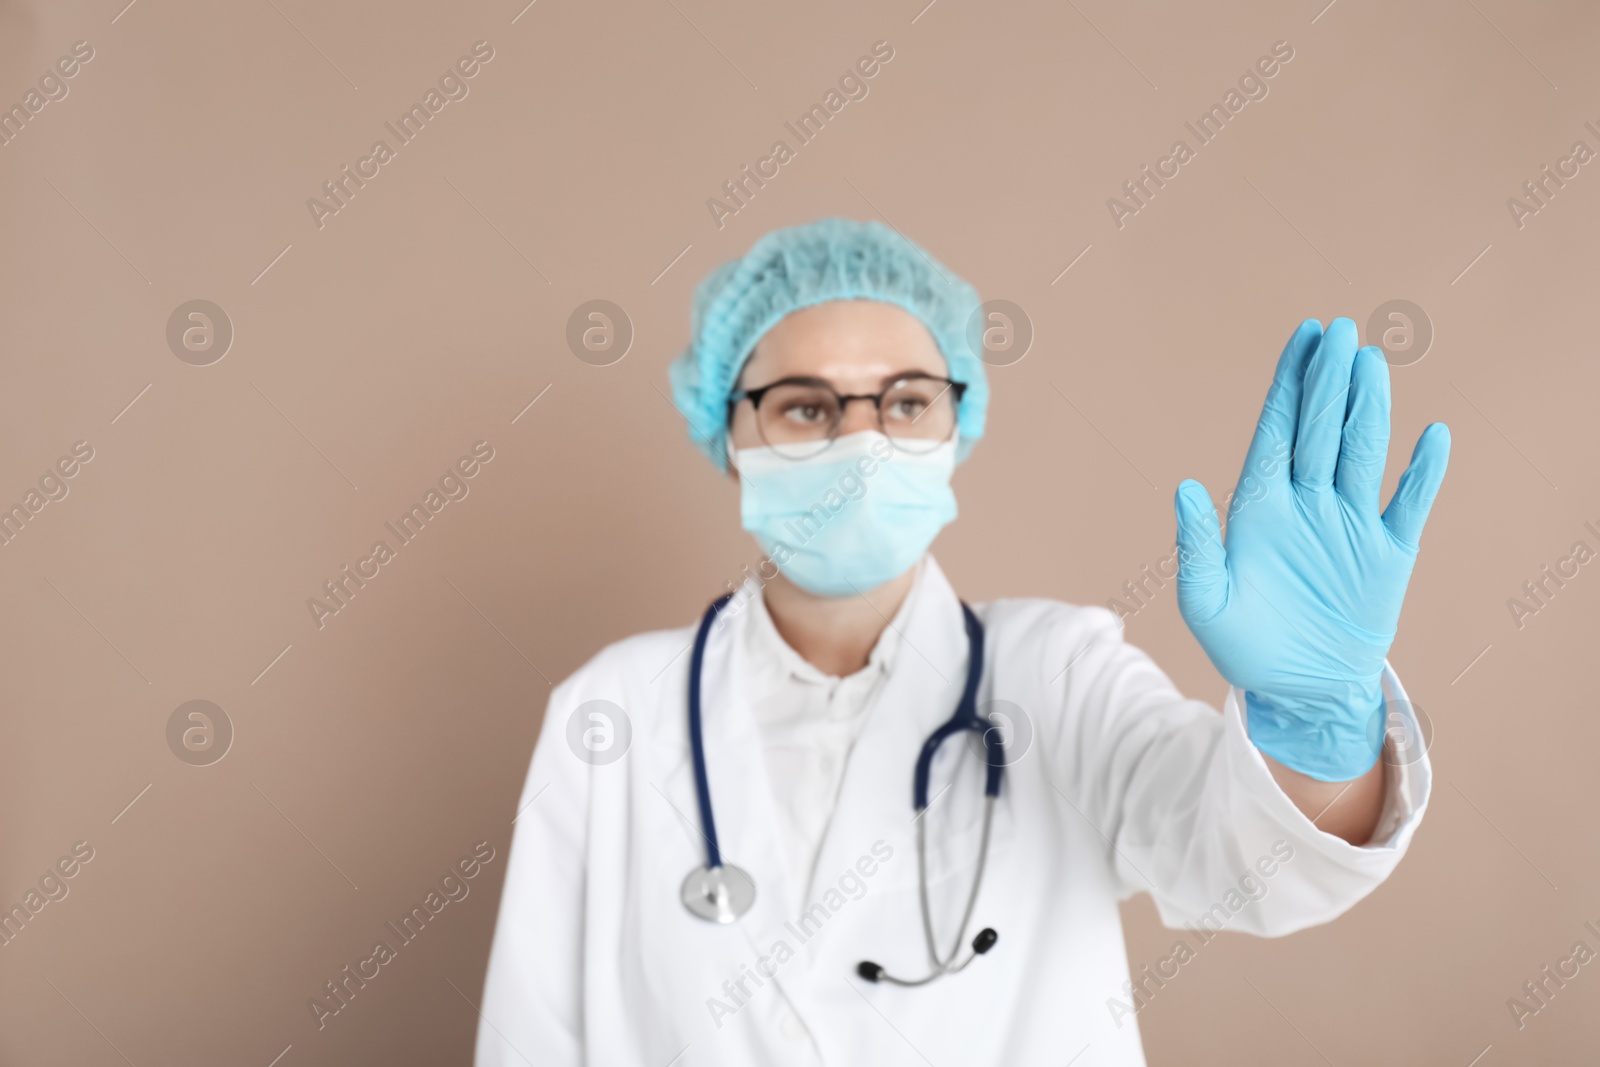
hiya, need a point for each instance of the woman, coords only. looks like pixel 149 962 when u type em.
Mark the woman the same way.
pixel 783 895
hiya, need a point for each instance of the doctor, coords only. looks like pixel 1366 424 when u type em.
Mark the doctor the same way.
pixel 741 841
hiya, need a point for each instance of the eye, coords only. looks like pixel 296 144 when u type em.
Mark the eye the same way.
pixel 804 413
pixel 907 407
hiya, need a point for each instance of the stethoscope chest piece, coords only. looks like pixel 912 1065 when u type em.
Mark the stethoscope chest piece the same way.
pixel 719 894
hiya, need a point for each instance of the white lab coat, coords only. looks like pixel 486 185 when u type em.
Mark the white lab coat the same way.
pixel 1126 786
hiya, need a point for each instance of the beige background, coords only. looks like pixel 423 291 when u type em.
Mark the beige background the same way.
pixel 428 314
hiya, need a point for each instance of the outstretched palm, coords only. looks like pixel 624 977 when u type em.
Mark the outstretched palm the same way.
pixel 1299 606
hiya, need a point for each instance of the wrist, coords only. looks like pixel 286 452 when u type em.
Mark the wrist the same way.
pixel 1329 742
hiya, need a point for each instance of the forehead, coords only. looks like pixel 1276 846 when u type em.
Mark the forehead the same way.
pixel 845 341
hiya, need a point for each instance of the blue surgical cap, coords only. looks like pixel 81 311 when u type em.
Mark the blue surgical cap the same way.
pixel 792 268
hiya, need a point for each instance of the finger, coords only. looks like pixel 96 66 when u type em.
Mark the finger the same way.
pixel 1322 406
pixel 1365 444
pixel 1408 509
pixel 1274 438
pixel 1202 562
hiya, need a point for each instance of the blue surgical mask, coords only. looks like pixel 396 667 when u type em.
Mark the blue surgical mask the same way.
pixel 850 518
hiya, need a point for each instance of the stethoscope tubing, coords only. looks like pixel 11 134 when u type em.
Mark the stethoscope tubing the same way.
pixel 965 718
pixel 943 966
pixel 702 785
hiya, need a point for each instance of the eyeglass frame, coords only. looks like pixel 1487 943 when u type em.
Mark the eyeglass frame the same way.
pixel 755 395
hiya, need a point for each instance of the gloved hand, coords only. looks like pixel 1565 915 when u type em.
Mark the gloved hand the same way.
pixel 1299 607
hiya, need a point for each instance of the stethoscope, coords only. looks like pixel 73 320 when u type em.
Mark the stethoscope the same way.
pixel 722 893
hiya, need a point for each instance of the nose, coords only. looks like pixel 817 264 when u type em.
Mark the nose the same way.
pixel 860 413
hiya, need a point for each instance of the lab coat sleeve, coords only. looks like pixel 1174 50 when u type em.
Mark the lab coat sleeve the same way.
pixel 1187 807
pixel 533 996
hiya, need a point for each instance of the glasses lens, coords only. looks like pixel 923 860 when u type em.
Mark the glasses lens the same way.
pixel 919 413
pixel 797 420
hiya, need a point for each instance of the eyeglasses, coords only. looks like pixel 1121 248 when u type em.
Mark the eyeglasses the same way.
pixel 799 417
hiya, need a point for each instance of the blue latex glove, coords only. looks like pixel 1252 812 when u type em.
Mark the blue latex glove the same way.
pixel 1299 607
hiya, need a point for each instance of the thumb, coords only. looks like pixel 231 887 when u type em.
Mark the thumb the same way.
pixel 1202 561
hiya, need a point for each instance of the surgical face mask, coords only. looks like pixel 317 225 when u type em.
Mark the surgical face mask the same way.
pixel 851 517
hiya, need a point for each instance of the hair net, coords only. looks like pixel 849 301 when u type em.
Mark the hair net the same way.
pixel 792 268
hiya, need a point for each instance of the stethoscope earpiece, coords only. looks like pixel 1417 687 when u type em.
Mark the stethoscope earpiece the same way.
pixel 874 972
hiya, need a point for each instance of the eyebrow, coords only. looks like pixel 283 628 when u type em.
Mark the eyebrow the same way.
pixel 884 381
